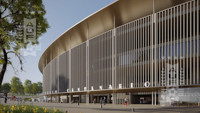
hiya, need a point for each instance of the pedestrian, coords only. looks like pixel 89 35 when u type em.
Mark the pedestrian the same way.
pixel 94 100
pixel 78 102
pixel 14 98
pixel 61 100
pixel 104 100
pixel 5 98
pixel 125 101
pixel 101 103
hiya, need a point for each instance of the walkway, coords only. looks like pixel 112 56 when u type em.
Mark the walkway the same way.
pixel 110 108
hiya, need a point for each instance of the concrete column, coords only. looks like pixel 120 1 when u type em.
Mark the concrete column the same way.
pixel 114 98
pixel 155 98
pixel 87 98
pixel 91 97
pixel 108 99
pixel 70 98
pixel 87 64
pixel 79 98
pixel 67 98
pixel 70 81
pixel 58 98
pixel 114 56
pixel 130 98
pixel 152 98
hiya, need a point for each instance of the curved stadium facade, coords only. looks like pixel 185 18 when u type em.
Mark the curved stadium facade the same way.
pixel 131 48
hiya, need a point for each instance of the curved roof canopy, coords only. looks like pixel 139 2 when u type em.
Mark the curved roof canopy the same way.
pixel 113 15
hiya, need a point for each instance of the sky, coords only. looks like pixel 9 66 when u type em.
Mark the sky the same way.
pixel 61 15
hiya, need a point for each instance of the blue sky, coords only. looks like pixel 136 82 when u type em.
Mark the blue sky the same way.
pixel 61 15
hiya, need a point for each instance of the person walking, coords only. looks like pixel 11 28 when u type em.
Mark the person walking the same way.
pixel 61 100
pixel 101 103
pixel 94 100
pixel 5 98
pixel 104 100
pixel 125 101
pixel 78 102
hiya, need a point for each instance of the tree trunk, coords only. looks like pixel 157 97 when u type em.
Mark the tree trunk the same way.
pixel 3 70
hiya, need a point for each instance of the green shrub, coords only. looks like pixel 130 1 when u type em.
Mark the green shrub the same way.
pixel 27 99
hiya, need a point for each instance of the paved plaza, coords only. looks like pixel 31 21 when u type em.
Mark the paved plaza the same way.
pixel 110 108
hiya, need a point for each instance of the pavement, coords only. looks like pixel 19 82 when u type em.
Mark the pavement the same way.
pixel 110 108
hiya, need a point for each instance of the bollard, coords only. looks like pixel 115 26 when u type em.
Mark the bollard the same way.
pixel 132 109
pixel 66 111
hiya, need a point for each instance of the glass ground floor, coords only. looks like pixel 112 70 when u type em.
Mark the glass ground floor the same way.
pixel 165 96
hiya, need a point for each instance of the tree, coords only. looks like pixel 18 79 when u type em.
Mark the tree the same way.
pixel 34 88
pixel 16 86
pixel 5 88
pixel 27 86
pixel 39 85
pixel 12 39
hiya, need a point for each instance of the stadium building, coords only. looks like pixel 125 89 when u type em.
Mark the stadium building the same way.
pixel 130 49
